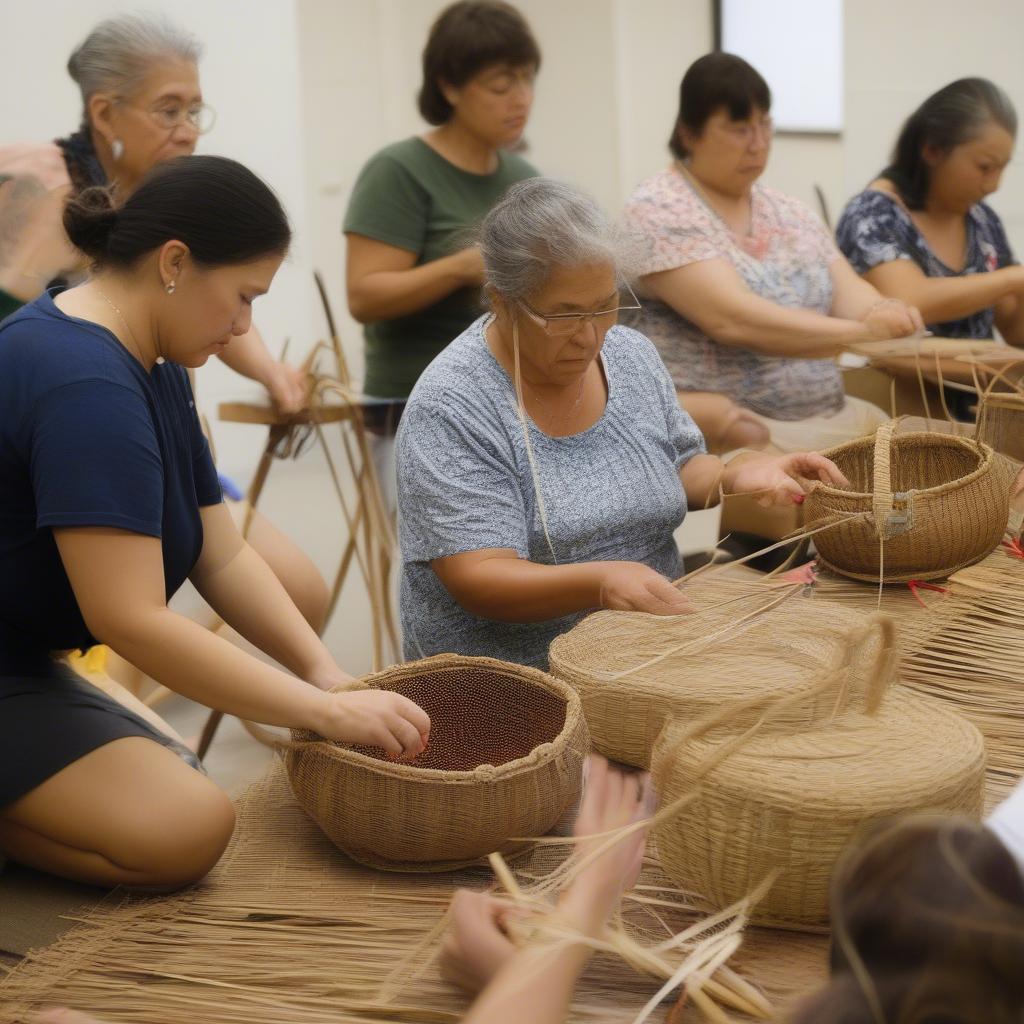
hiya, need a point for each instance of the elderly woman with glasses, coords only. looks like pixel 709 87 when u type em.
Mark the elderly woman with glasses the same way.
pixel 750 301
pixel 543 460
pixel 142 106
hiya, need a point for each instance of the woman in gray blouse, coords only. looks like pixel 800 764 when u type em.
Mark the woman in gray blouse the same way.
pixel 543 460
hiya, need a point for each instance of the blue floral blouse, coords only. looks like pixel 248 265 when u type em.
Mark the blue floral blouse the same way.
pixel 876 228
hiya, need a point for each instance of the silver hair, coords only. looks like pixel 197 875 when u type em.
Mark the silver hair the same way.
pixel 540 224
pixel 118 53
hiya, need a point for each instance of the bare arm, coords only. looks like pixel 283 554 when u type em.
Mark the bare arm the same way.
pixel 712 295
pixel 384 282
pixel 852 296
pixel 1010 319
pixel 118 581
pixel 495 583
pixel 945 298
pixel 249 356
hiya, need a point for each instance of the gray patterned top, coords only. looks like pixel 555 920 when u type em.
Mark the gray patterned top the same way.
pixel 785 259
pixel 611 492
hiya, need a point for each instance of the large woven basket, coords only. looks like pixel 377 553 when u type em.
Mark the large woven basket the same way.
pixel 923 506
pixel 790 803
pixel 505 759
pixel 633 672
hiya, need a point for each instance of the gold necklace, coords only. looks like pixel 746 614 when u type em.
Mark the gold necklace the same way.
pixel 124 323
pixel 560 419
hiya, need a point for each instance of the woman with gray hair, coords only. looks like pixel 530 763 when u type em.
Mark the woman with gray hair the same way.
pixel 543 460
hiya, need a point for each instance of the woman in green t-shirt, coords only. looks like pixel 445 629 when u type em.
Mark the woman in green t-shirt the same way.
pixel 411 279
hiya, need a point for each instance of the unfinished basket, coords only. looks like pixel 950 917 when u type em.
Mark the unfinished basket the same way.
pixel 505 757
pixel 922 505
pixel 789 803
pixel 747 639
pixel 1001 423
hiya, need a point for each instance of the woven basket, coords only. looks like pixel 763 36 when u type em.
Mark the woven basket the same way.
pixel 505 759
pixel 790 803
pixel 925 505
pixel 1001 423
pixel 633 672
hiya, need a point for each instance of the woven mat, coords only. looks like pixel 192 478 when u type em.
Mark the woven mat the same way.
pixel 287 929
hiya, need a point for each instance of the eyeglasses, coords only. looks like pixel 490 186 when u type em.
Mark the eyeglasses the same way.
pixel 200 116
pixel 745 133
pixel 563 325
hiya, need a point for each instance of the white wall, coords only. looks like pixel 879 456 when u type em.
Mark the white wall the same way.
pixel 250 75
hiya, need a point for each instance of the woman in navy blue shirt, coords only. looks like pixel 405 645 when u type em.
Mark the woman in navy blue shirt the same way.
pixel 108 501
pixel 921 231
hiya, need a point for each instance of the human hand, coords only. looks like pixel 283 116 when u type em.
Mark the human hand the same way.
pixel 612 799
pixel 288 386
pixel 374 718
pixel 476 945
pixel 634 587
pixel 330 677
pixel 891 318
pixel 777 479
pixel 471 266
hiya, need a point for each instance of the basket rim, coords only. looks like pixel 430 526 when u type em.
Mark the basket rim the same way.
pixel 481 774
pixel 986 452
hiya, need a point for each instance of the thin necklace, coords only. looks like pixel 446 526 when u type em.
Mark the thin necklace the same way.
pixel 124 323
pixel 746 241
pixel 560 418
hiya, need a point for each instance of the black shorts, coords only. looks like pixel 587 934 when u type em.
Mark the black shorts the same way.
pixel 51 719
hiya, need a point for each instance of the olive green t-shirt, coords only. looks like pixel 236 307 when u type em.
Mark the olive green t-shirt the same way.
pixel 410 197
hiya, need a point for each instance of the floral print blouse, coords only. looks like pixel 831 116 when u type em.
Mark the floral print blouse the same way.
pixel 785 259
pixel 876 228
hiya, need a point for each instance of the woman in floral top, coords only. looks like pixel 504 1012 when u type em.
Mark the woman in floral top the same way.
pixel 921 231
pixel 748 300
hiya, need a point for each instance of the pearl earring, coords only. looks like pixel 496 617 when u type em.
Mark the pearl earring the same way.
pixel 117 149
pixel 170 287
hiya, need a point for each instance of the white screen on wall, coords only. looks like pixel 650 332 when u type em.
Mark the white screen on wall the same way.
pixel 797 45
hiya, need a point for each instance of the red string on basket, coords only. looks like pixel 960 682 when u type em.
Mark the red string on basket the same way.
pixel 916 585
pixel 1013 547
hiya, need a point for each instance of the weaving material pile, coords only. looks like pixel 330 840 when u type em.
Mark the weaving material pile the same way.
pixel 285 931
pixel 921 506
pixel 634 672
pixel 1001 423
pixel 505 759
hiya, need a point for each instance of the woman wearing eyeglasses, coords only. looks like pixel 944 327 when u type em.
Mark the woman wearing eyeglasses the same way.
pixel 749 299
pixel 142 105
pixel 543 459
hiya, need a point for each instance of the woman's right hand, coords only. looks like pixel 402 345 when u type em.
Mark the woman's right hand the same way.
pixel 374 718
pixel 891 318
pixel 634 587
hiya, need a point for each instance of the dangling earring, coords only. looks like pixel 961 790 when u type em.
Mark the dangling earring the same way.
pixel 170 286
pixel 117 150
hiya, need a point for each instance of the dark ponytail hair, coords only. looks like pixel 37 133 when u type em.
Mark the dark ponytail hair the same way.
pixel 947 119
pixel 714 81
pixel 927 925
pixel 223 212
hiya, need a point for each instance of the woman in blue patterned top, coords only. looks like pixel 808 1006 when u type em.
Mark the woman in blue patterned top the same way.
pixel 543 459
pixel 922 232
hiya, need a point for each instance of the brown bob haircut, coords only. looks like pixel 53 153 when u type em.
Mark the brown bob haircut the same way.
pixel 468 36
pixel 927 928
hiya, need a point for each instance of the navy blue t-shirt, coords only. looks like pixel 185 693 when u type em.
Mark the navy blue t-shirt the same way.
pixel 87 438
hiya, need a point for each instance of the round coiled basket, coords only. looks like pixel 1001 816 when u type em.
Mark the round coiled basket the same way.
pixel 786 804
pixel 634 672
pixel 505 759
pixel 923 505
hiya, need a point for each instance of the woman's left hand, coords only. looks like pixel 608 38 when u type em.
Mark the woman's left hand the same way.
pixel 288 386
pixel 779 479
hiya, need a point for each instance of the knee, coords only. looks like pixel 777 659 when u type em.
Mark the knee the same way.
pixel 183 845
pixel 741 429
